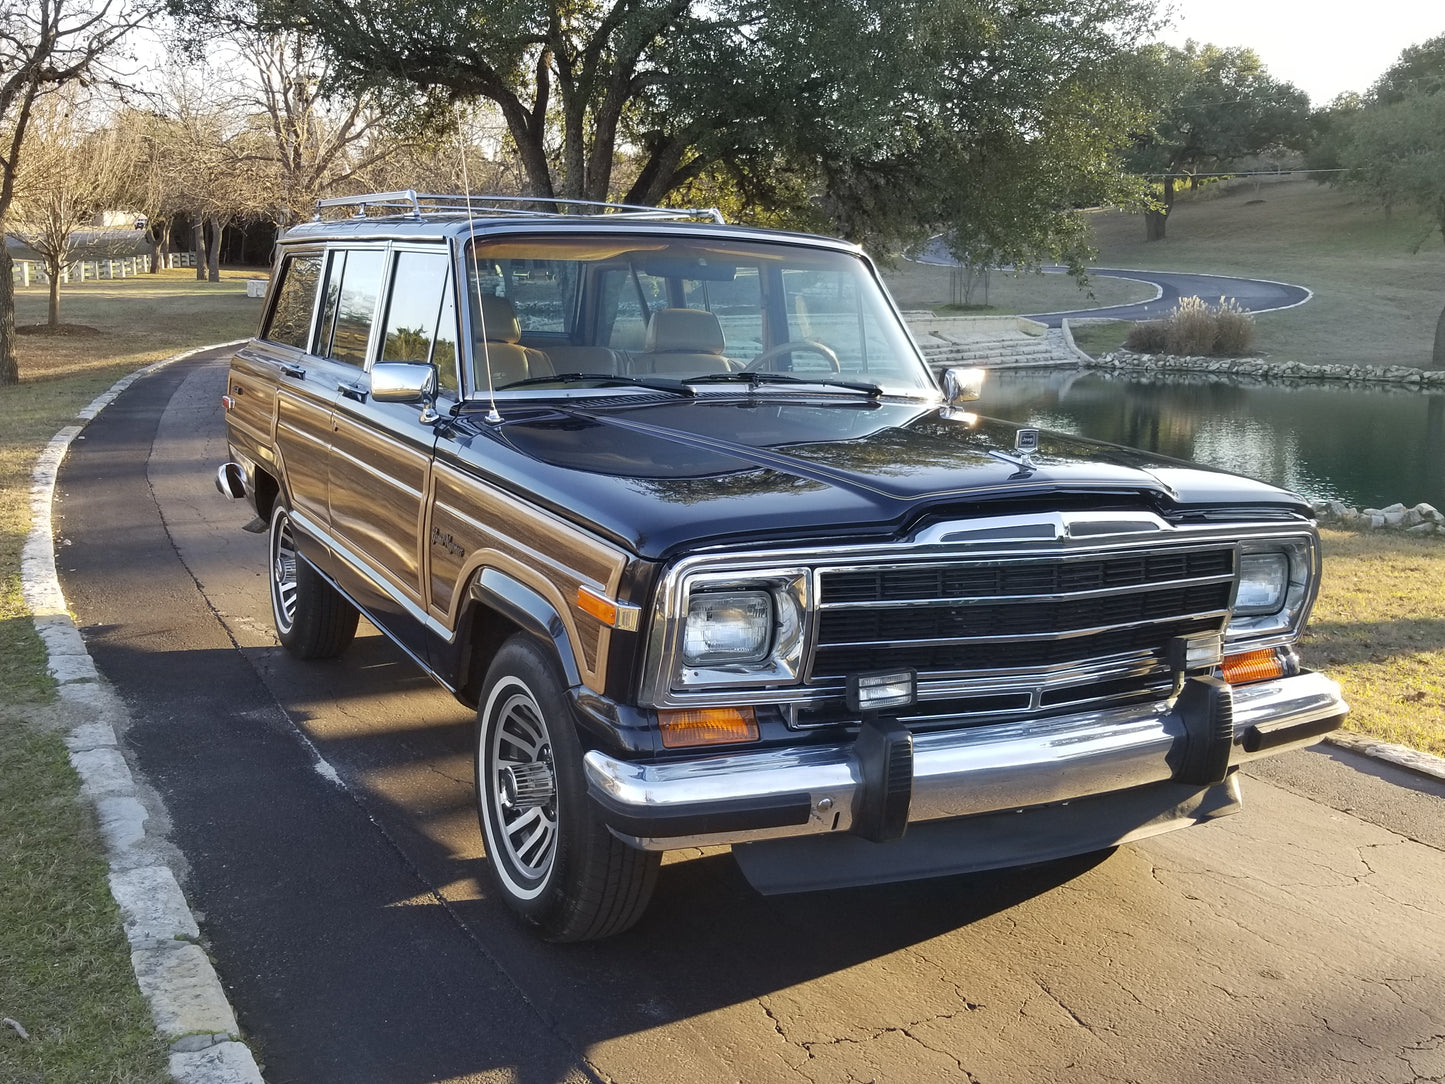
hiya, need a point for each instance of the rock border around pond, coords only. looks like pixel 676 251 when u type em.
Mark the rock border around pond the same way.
pixel 1265 370
pixel 1421 519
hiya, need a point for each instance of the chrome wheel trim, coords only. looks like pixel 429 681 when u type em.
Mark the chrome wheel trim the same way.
pixel 284 560
pixel 520 782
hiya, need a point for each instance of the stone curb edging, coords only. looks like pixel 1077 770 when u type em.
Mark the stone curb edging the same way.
pixel 188 1004
pixel 1399 755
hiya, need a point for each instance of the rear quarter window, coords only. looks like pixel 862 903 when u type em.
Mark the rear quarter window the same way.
pixel 290 321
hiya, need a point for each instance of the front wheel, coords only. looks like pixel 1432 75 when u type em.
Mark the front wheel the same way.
pixel 313 620
pixel 552 860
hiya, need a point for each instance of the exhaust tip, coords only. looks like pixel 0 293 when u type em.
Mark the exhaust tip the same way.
pixel 231 481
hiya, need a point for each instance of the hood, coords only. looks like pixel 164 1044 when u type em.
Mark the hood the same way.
pixel 659 476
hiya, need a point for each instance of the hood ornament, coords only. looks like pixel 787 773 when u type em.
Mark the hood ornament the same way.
pixel 1026 445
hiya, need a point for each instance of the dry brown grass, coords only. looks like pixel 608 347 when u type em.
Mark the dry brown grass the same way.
pixel 1379 630
pixel 1195 329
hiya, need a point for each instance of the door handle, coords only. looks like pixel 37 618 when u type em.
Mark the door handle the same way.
pixel 353 391
pixel 287 369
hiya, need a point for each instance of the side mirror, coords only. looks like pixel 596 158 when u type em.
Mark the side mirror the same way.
pixel 963 385
pixel 406 382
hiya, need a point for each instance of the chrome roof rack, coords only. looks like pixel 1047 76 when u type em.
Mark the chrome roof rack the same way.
pixel 418 206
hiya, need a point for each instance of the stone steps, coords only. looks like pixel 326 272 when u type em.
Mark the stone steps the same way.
pixel 990 342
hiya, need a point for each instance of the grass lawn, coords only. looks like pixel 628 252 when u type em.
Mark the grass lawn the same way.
pixel 1375 302
pixel 924 286
pixel 1379 630
pixel 65 973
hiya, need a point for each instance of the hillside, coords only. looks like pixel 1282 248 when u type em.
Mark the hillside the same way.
pixel 1374 300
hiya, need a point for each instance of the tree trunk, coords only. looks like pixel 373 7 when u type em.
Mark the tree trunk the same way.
pixel 163 244
pixel 213 253
pixel 1437 356
pixel 9 363
pixel 52 315
pixel 1154 219
pixel 153 235
pixel 198 238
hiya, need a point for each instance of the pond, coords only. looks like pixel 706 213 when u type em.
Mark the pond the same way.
pixel 1367 448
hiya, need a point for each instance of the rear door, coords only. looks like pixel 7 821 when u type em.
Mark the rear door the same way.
pixel 305 387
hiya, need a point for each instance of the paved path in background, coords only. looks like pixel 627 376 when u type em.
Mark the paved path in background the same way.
pixel 1251 295
pixel 324 813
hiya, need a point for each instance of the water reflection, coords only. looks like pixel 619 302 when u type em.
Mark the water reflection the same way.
pixel 1361 446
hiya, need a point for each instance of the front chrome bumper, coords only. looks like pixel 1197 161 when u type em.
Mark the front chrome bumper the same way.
pixel 820 790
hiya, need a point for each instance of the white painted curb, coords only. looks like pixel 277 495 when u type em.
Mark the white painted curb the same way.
pixel 187 1002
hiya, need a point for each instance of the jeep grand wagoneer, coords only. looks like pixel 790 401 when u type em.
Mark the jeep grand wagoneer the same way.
pixel 680 508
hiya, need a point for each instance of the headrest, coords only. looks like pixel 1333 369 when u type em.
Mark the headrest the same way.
pixel 499 320
pixel 684 331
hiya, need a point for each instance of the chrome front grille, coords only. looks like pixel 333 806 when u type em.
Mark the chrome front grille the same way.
pixel 1070 627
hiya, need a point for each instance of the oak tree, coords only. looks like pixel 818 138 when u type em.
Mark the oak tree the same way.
pixel 876 117
pixel 1213 107
pixel 1393 147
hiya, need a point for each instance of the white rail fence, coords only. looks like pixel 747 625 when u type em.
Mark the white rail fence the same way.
pixel 32 271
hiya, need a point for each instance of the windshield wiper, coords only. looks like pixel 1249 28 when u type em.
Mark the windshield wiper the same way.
pixel 674 387
pixel 758 379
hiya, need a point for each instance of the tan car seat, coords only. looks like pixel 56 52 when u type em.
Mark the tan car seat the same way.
pixel 684 342
pixel 499 337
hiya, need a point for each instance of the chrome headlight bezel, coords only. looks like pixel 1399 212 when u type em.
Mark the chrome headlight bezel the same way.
pixel 679 669
pixel 1275 584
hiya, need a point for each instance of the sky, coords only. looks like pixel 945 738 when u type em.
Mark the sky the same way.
pixel 1321 46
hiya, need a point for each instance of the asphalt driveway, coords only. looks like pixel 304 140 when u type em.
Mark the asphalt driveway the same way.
pixel 1251 295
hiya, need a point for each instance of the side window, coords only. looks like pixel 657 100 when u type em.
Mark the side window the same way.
pixel 421 316
pixel 825 306
pixel 353 285
pixel 637 297
pixel 543 294
pixel 737 302
pixel 444 353
pixel 290 322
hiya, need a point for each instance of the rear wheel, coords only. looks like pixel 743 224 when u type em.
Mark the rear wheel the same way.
pixel 552 860
pixel 313 620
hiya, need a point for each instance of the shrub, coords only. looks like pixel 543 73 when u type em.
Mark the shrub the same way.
pixel 1148 337
pixel 1234 330
pixel 1196 329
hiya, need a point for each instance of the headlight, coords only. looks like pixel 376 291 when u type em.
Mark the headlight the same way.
pixel 1275 591
pixel 727 629
pixel 1263 583
pixel 723 628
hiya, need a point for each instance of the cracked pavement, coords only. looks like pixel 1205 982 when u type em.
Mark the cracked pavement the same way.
pixel 1300 940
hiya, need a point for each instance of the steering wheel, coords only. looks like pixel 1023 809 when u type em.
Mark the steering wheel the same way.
pixel 772 353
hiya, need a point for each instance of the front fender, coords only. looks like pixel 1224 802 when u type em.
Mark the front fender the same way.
pixel 531 612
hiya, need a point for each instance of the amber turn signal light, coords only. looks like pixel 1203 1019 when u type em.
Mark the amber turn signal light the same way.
pixel 1252 666
pixel 707 726
pixel 599 606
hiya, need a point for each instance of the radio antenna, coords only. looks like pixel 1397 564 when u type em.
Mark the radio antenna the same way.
pixel 493 415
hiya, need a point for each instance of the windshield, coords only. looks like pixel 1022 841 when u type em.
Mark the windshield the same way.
pixel 679 309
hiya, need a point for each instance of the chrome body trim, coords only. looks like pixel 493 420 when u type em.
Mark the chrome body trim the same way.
pixel 1003 540
pixel 960 772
